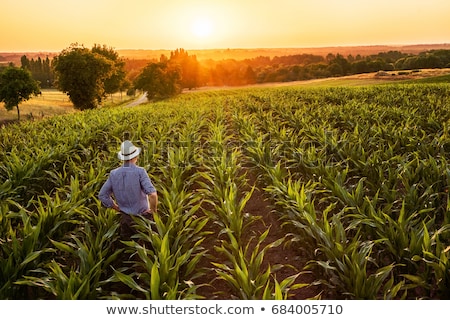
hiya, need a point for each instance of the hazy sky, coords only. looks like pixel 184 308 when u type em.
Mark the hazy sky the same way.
pixel 52 25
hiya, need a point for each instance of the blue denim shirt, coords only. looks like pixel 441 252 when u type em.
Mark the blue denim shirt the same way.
pixel 130 185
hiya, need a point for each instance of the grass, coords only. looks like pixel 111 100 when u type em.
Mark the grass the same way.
pixel 51 103
pixel 343 82
pixel 439 79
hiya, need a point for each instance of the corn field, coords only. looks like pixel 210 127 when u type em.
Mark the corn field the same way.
pixel 358 178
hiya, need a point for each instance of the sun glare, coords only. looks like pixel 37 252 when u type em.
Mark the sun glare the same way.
pixel 202 28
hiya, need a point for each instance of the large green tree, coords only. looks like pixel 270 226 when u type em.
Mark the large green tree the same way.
pixel 82 73
pixel 17 85
pixel 116 80
pixel 159 79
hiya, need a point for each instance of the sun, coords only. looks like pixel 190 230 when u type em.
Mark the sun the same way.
pixel 202 28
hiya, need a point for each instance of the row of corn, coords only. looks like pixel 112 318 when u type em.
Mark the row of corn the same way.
pixel 359 176
pixel 362 176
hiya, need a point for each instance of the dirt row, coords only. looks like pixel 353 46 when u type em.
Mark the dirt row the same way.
pixel 261 206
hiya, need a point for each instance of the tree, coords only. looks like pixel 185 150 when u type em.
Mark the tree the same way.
pixel 339 66
pixel 160 80
pixel 250 75
pixel 116 81
pixel 81 73
pixel 189 66
pixel 16 86
pixel 25 62
pixel 40 70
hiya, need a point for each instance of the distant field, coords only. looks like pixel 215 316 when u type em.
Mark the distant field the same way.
pixel 51 102
pixel 437 79
pixel 364 79
pixel 408 76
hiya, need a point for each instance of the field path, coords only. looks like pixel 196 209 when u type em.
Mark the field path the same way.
pixel 142 99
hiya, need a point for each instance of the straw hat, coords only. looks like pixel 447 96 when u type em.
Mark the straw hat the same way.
pixel 128 151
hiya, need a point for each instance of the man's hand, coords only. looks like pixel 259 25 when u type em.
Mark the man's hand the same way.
pixel 148 211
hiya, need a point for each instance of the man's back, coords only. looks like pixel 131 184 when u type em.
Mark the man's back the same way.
pixel 130 185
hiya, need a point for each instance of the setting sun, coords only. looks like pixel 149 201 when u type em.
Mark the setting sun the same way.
pixel 202 28
pixel 202 24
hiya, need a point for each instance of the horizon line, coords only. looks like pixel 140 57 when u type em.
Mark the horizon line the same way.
pixel 250 48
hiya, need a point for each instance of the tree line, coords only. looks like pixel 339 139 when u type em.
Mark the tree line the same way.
pixel 308 66
pixel 263 69
pixel 41 70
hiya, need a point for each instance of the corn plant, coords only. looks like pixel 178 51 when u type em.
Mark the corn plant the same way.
pixel 244 272
pixel 92 256
pixel 21 252
pixel 51 218
pixel 242 269
pixel 439 262
pixel 167 265
pixel 169 248
pixel 435 256
pixel 222 183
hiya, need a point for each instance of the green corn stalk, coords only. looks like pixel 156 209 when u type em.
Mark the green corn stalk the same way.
pixel 56 282
pixel 436 257
pixel 280 291
pixel 169 247
pixel 346 269
pixel 343 263
pixel 244 272
pixel 296 201
pixel 439 262
pixel 21 251
pixel 229 210
pixel 161 263
pixel 93 252
pixel 403 237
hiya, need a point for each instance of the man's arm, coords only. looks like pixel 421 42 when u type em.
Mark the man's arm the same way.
pixel 153 199
pixel 105 196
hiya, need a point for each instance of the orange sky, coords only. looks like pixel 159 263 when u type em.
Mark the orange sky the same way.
pixel 52 25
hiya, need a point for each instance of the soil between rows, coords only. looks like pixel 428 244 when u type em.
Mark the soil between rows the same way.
pixel 259 205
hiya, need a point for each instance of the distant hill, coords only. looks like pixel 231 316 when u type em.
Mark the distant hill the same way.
pixel 241 54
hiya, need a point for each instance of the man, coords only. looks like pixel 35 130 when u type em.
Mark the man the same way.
pixel 131 188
